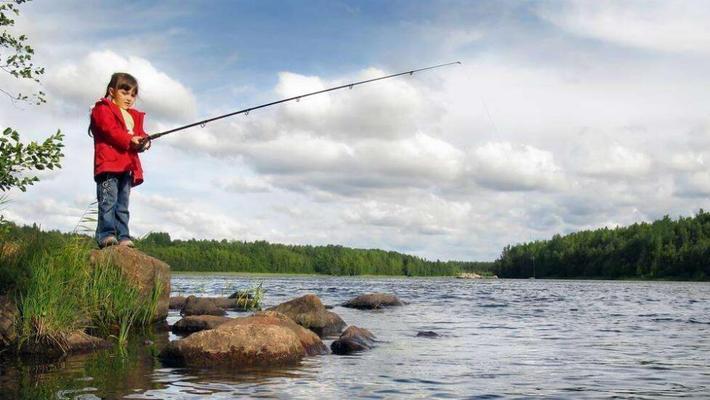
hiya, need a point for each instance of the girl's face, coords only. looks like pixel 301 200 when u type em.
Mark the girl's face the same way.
pixel 123 98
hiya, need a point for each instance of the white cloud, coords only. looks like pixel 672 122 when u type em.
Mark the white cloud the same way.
pixel 687 162
pixel 245 184
pixel 425 215
pixel 183 219
pixel 615 161
pixel 694 184
pixel 508 166
pixel 81 83
pixel 668 26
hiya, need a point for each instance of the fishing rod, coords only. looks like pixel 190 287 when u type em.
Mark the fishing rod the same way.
pixel 297 98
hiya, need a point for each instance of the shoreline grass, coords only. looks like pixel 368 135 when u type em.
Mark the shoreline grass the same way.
pixel 58 291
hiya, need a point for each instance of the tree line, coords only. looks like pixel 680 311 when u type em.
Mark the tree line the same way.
pixel 663 249
pixel 261 256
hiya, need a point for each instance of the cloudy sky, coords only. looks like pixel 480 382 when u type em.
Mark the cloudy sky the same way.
pixel 564 116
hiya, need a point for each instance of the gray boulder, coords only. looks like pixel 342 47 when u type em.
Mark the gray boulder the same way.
pixel 309 312
pixel 373 301
pixel 201 306
pixel 196 323
pixel 353 340
pixel 177 302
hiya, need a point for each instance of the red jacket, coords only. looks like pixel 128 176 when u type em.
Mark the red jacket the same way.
pixel 112 142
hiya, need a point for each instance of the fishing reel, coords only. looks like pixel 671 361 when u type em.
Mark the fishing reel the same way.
pixel 145 143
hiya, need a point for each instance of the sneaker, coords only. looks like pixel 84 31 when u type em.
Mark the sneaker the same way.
pixel 108 241
pixel 126 242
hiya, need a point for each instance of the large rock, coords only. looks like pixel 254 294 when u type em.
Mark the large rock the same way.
pixel 201 306
pixel 264 339
pixel 373 301
pixel 309 340
pixel 196 323
pixel 177 302
pixel 142 270
pixel 8 319
pixel 309 312
pixel 352 340
pixel 224 302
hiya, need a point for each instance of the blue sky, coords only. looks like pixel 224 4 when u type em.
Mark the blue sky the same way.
pixel 564 116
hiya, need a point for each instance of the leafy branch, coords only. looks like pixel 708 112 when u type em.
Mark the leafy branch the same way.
pixel 19 158
pixel 16 54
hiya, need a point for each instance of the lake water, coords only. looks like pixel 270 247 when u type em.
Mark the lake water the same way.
pixel 498 339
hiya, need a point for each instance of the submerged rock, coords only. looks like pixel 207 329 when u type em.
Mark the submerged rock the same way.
pixel 309 312
pixel 201 306
pixel 196 323
pixel 352 340
pixel 71 343
pixel 427 334
pixel 241 294
pixel 264 339
pixel 373 301
pixel 80 342
pixel 144 271
pixel 178 302
pixel 8 319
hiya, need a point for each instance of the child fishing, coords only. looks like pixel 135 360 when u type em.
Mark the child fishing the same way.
pixel 118 135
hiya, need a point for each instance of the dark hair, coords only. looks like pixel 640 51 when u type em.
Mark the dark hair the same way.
pixel 122 80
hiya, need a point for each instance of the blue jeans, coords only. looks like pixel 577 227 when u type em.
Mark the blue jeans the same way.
pixel 112 193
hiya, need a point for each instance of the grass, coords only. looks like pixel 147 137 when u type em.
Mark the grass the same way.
pixel 115 305
pixel 58 291
pixel 250 299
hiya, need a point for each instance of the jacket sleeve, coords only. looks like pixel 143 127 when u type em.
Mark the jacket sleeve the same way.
pixel 104 123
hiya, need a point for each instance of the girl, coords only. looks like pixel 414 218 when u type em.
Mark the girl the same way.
pixel 118 138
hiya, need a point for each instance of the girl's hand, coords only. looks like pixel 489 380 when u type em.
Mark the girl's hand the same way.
pixel 140 143
pixel 145 144
pixel 136 143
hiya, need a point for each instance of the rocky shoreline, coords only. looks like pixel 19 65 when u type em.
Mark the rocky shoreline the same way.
pixel 280 335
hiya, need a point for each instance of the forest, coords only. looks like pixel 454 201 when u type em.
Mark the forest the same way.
pixel 663 249
pixel 261 256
